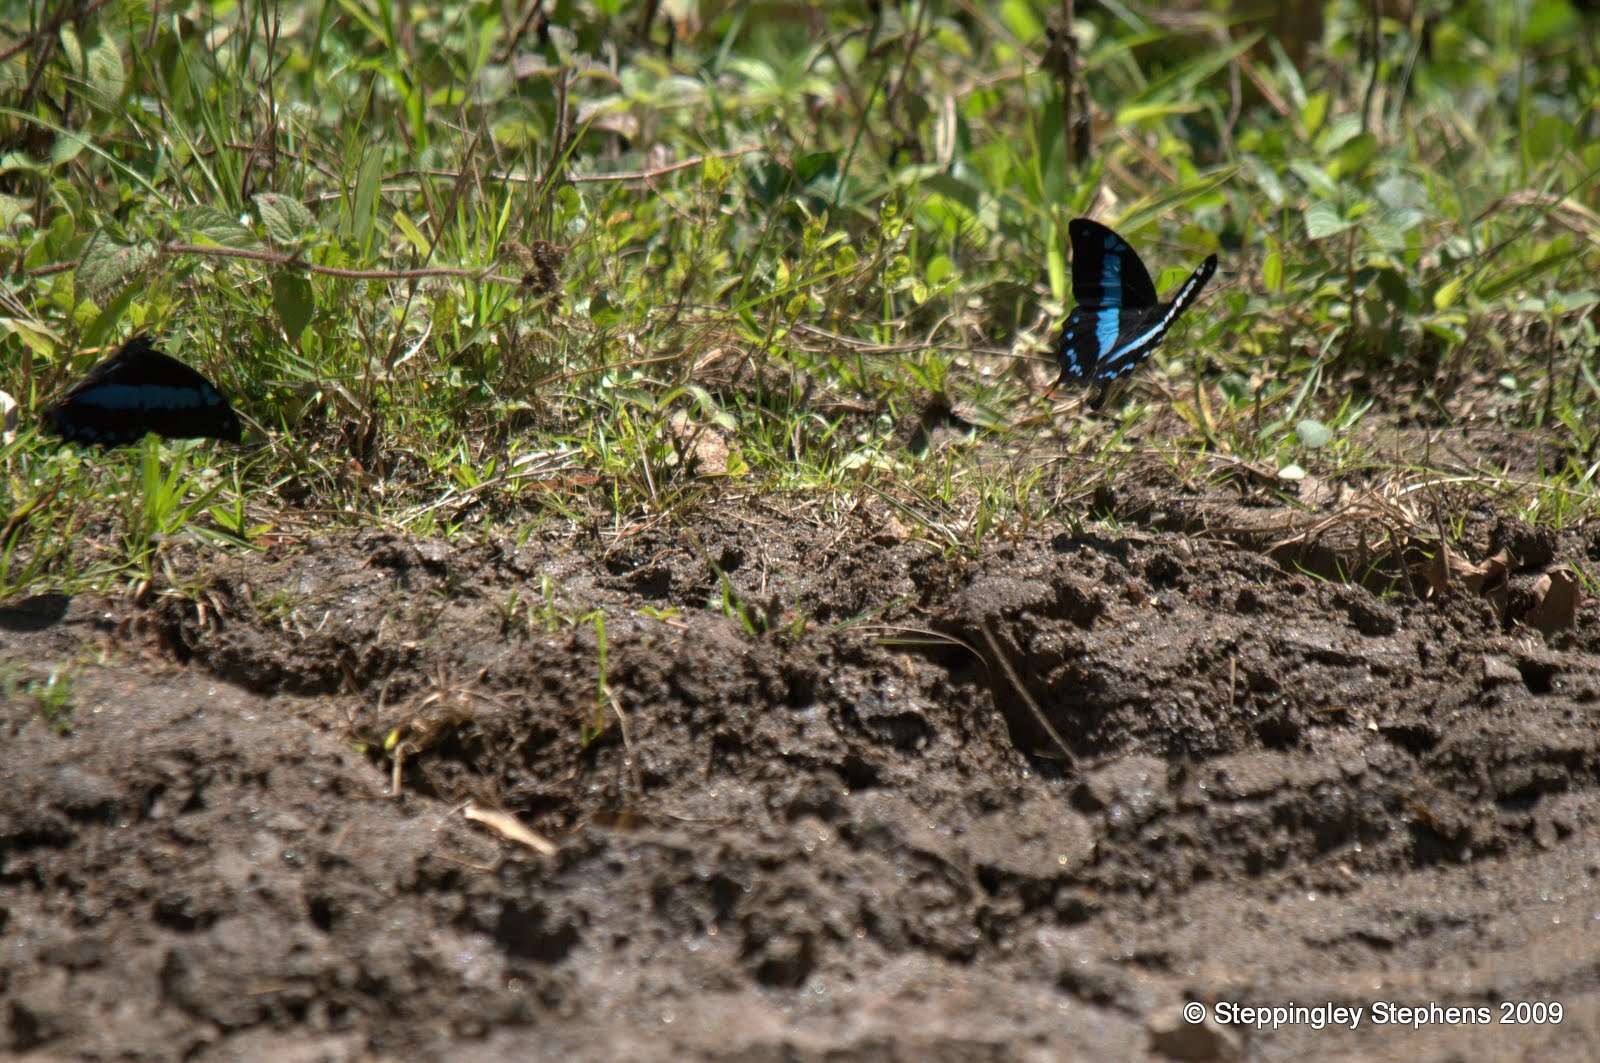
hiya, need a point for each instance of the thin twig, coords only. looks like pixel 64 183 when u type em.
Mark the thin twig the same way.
pixel 1027 699
pixel 517 34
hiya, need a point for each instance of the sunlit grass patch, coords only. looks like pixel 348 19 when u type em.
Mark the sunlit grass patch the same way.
pixel 460 275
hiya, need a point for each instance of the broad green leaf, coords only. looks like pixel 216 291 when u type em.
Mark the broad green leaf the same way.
pixel 213 225
pixel 1401 191
pixel 12 208
pixel 292 299
pixel 1266 180
pixel 36 336
pixel 1354 156
pixel 1320 184
pixel 816 164
pixel 286 218
pixel 105 75
pixel 1451 333
pixel 67 146
pixel 1388 227
pixel 104 324
pixel 1322 220
pixel 72 48
pixel 1020 18
pixel 107 265
pixel 1548 20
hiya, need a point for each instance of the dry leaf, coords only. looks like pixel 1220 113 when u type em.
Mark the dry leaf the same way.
pixel 1558 597
pixel 706 446
pixel 1447 568
pixel 509 827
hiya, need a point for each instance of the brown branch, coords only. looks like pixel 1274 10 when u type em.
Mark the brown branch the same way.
pixel 580 178
pixel 274 258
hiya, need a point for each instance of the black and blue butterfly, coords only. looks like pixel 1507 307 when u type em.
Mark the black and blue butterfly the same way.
pixel 140 390
pixel 1118 320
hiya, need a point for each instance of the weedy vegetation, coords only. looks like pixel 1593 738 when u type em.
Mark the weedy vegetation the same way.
pixel 487 266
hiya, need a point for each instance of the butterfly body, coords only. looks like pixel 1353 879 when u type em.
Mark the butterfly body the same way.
pixel 1118 321
pixel 139 390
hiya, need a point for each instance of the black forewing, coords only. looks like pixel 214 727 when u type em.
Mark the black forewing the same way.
pixel 1106 271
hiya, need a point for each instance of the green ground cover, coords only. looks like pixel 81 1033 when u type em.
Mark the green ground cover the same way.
pixel 471 265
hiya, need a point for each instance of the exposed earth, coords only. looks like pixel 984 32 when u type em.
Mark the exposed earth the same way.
pixel 820 791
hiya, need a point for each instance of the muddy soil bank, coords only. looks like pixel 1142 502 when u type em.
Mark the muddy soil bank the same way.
pixel 816 791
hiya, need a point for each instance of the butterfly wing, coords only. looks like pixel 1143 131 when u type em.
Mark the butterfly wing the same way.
pixel 1105 270
pixel 139 390
pixel 1139 333
pixel 1089 331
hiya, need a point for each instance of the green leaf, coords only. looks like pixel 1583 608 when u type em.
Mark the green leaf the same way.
pixel 1313 434
pixel 12 208
pixel 1313 113
pixel 72 48
pixel 816 164
pixel 1448 293
pixel 1266 180
pixel 365 213
pixel 104 324
pixel 67 146
pixel 1447 331
pixel 1354 156
pixel 1320 184
pixel 105 75
pixel 1322 220
pixel 1140 112
pixel 1401 191
pixel 411 232
pixel 1021 20
pixel 1548 20
pixel 106 265
pixel 213 225
pixel 292 299
pixel 286 218
pixel 1272 271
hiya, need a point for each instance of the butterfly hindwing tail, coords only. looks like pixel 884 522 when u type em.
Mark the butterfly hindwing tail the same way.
pixel 1193 286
